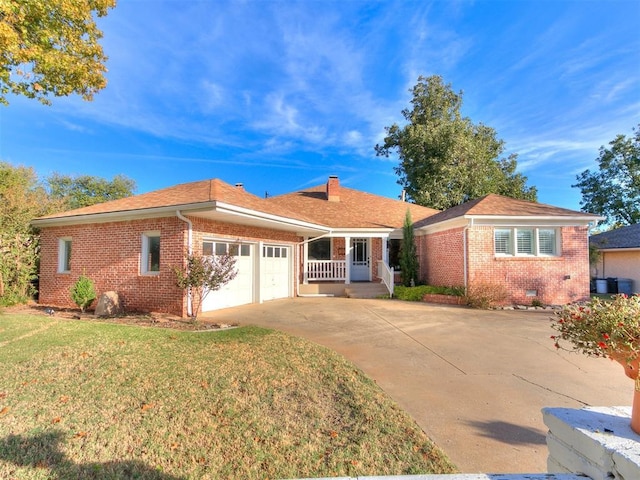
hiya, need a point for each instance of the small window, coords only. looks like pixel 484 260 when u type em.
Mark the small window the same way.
pixel 503 241
pixel 245 250
pixel 150 252
pixel 525 242
pixel 547 241
pixel 221 248
pixel 64 255
pixel 207 249
pixel 320 249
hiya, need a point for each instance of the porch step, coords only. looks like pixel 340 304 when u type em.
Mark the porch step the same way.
pixel 365 290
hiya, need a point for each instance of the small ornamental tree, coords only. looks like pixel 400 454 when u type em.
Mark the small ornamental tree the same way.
pixel 203 275
pixel 408 257
pixel 83 292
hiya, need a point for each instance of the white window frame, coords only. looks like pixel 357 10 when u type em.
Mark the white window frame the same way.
pixel 145 268
pixel 513 240
pixel 223 247
pixel 64 254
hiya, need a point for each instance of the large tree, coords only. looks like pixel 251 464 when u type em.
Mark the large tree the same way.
pixel 85 190
pixel 22 198
pixel 51 48
pixel 614 190
pixel 446 159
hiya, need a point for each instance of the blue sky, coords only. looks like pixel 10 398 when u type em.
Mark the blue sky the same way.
pixel 280 94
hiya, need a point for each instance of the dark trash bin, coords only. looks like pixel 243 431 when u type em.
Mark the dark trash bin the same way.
pixel 625 285
pixel 612 285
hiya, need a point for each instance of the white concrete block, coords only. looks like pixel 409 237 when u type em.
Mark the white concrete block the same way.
pixel 573 461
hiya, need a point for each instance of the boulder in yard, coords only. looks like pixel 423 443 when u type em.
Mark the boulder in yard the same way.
pixel 109 304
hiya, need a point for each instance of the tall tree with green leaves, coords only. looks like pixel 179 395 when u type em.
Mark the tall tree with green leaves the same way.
pixel 408 255
pixel 22 198
pixel 85 190
pixel 613 190
pixel 446 159
pixel 51 48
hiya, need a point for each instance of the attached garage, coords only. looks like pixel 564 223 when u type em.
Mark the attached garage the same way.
pixel 238 291
pixel 275 272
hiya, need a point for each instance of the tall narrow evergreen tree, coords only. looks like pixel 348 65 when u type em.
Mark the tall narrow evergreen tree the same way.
pixel 408 257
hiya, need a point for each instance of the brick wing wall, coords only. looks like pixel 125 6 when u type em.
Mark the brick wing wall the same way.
pixel 556 280
pixel 109 254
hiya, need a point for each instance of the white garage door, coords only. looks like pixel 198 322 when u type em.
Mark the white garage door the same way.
pixel 275 268
pixel 238 291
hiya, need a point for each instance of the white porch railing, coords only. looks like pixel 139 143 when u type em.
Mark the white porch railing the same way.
pixel 326 270
pixel 386 275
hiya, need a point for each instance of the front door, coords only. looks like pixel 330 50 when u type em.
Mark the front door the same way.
pixel 360 270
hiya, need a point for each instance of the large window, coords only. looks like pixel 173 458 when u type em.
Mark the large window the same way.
pixel 320 249
pixel 150 263
pixel 526 241
pixel 64 255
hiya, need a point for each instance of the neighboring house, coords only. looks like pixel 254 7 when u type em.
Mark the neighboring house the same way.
pixel 619 255
pixel 315 241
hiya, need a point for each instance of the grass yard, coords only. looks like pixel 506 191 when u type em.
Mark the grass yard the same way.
pixel 90 399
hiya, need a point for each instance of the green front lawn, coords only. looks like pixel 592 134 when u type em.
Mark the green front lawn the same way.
pixel 88 399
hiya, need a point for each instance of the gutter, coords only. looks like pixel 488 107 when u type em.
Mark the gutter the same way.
pixel 190 250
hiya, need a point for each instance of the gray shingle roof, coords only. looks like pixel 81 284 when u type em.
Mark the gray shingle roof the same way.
pixel 623 237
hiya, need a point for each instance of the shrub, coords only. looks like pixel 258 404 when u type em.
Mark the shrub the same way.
pixel 485 295
pixel 203 275
pixel 601 328
pixel 416 294
pixel 83 292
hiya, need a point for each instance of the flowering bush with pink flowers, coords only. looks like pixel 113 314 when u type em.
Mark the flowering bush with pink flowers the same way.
pixel 602 328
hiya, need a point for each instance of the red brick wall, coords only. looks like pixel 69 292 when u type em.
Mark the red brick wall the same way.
pixel 441 258
pixel 546 275
pixel 109 254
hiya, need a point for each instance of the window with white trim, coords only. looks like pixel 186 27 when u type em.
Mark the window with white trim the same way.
pixel 210 248
pixel 526 241
pixel 64 255
pixel 150 262
pixel 274 252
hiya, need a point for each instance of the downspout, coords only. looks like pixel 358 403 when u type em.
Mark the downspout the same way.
pixel 190 251
pixel 465 272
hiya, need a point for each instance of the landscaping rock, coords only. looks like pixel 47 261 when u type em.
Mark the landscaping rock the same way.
pixel 109 305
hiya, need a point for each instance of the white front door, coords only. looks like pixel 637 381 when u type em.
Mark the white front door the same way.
pixel 360 262
pixel 275 272
pixel 238 291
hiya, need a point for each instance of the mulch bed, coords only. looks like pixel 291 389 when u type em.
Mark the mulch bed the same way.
pixel 159 320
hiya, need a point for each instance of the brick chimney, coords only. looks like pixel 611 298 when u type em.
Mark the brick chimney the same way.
pixel 333 189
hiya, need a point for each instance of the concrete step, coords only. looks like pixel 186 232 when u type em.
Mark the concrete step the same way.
pixel 365 290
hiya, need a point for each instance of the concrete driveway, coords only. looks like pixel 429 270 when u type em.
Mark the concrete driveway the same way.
pixel 474 380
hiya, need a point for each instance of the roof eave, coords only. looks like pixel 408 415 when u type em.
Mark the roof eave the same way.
pixel 122 215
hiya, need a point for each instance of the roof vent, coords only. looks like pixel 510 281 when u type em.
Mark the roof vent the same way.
pixel 240 186
pixel 333 189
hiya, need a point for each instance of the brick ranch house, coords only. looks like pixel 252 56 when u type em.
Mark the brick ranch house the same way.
pixel 314 241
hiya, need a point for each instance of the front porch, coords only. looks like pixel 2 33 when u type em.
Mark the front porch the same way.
pixel 373 289
pixel 346 265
